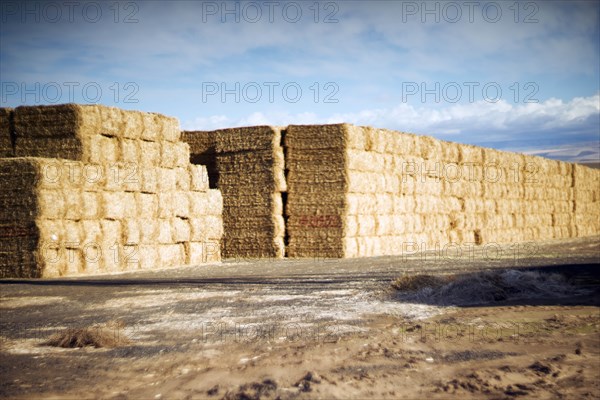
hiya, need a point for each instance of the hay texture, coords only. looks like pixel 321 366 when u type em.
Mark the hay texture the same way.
pixel 6 132
pixel 248 167
pixel 318 182
pixel 360 191
pixel 121 196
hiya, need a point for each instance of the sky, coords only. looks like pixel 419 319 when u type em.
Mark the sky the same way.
pixel 512 75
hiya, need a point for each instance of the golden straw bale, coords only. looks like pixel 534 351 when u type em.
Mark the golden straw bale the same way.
pixel 73 204
pixel 52 204
pixel 152 127
pixel 198 178
pixel 165 231
pixel 182 154
pixel 131 231
pixel 183 179
pixel 150 152
pixel 149 230
pixel 181 204
pixel 148 256
pixel 150 178
pixel 215 202
pixel 206 227
pixel 73 234
pixel 168 154
pixel 166 205
pixel 471 154
pixel 129 151
pixel 170 128
pixel 167 180
pixel 113 205
pixel 147 205
pixel 181 230
pixel 132 124
pixel 171 255
pixel 357 137
pixel 193 253
pixel 92 232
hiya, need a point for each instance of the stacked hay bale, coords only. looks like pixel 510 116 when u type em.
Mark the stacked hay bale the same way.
pixel 122 195
pixel 360 191
pixel 317 185
pixel 250 172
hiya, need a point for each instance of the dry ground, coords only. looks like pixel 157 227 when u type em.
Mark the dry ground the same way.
pixel 311 329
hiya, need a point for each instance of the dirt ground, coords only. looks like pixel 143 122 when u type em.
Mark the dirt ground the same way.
pixel 307 329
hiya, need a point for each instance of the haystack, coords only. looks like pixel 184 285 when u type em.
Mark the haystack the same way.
pixel 98 190
pixel 248 168
pixel 361 191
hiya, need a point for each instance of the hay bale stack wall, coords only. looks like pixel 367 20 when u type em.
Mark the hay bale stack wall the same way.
pixel 249 170
pixel 318 185
pixel 97 189
pixel 360 191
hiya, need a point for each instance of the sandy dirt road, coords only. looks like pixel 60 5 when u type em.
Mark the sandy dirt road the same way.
pixel 315 329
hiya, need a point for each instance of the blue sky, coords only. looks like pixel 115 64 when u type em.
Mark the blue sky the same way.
pixel 512 75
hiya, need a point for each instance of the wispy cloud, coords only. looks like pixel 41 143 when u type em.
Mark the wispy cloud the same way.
pixel 536 127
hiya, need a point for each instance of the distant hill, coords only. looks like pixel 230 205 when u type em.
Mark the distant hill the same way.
pixel 593 164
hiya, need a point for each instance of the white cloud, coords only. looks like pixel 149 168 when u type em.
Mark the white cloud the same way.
pixel 534 127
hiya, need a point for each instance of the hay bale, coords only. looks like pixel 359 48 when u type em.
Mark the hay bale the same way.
pixel 148 256
pixel 110 245
pixel 149 230
pixel 73 234
pixel 247 138
pixel 183 179
pixel 214 202
pixel 150 178
pixel 171 255
pixel 167 180
pixel 131 232
pixel 6 135
pixel 165 231
pixel 168 154
pixel 357 137
pixel 181 230
pixel 34 127
pixel 170 130
pixel 73 204
pixel 151 153
pixel 147 205
pixel 151 127
pixel 113 205
pixel 166 205
pixel 51 204
pixel 129 151
pixel 181 204
pixel 92 232
pixel 199 181
pixel 205 227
